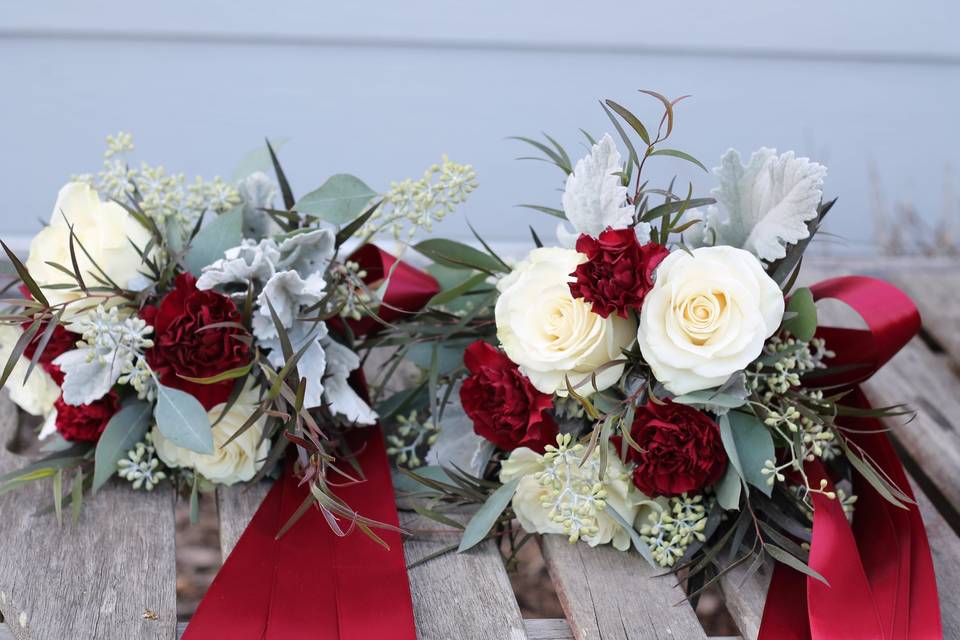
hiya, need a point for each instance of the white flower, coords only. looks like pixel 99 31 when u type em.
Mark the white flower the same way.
pixel 40 392
pixel 768 203
pixel 105 230
pixel 557 494
pixel 236 462
pixel 550 334
pixel 707 317
pixel 595 197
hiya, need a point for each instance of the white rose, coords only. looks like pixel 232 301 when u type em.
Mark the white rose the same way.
pixel 105 230
pixel 40 392
pixel 550 334
pixel 531 495
pixel 707 317
pixel 239 461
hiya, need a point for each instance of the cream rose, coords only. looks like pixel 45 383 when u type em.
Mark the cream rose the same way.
pixel 239 461
pixel 40 392
pixel 550 334
pixel 532 494
pixel 105 230
pixel 707 317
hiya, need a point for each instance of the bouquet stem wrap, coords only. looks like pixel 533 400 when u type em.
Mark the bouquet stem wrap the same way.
pixel 311 583
pixel 880 572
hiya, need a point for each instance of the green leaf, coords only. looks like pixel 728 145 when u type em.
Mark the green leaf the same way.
pixel 76 495
pixel 449 354
pixel 183 420
pixel 780 555
pixel 638 544
pixel 802 325
pixel 408 484
pixel 338 200
pixel 124 430
pixel 58 496
pixel 222 233
pixel 550 211
pixel 257 160
pixel 25 277
pixel 749 445
pixel 711 397
pixel 484 519
pixel 631 120
pixel 347 232
pixel 674 153
pixel 229 374
pixel 674 206
pixel 728 489
pixel 285 189
pixel 453 293
pixel 457 255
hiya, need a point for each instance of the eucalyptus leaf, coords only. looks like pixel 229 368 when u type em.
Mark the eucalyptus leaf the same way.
pixel 125 429
pixel 407 484
pixel 802 325
pixel 183 420
pixel 638 544
pixel 749 445
pixel 780 555
pixel 338 200
pixel 223 232
pixel 728 489
pixel 484 519
pixel 449 295
pixel 457 255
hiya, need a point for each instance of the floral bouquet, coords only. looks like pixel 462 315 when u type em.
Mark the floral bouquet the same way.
pixel 202 334
pixel 656 381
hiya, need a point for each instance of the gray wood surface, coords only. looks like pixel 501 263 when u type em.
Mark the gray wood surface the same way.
pixel 95 580
pixel 610 595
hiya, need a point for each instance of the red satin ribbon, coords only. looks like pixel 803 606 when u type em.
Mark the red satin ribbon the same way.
pixel 880 572
pixel 311 583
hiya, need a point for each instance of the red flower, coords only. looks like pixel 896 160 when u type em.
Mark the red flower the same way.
pixel 618 273
pixel 85 422
pixel 182 347
pixel 505 407
pixel 60 341
pixel 682 450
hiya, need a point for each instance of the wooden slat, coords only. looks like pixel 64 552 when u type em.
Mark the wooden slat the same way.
pixel 90 581
pixel 454 596
pixel 745 599
pixel 935 294
pixel 612 595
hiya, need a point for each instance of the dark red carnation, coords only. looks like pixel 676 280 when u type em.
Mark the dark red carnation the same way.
pixel 182 347
pixel 85 422
pixel 618 273
pixel 682 450
pixel 505 407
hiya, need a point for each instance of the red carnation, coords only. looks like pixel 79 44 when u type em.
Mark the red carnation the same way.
pixel 505 407
pixel 85 422
pixel 682 450
pixel 60 341
pixel 182 347
pixel 618 273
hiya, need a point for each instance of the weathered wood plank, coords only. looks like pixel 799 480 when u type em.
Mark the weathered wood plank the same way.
pixel 612 595
pixel 537 629
pixel 454 596
pixel 91 581
pixel 934 293
pixel 745 599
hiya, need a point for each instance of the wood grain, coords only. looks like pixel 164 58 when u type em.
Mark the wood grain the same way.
pixel 91 581
pixel 610 595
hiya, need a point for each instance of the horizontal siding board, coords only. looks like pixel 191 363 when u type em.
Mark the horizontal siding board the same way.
pixel 386 114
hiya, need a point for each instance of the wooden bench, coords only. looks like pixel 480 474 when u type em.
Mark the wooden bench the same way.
pixel 98 580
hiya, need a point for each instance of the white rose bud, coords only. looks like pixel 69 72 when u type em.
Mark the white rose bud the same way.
pixel 105 230
pixel 550 334
pixel 707 317
pixel 239 461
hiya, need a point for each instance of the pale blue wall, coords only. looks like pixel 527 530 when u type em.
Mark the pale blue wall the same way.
pixel 381 89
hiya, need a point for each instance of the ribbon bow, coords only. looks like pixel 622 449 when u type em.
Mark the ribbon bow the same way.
pixel 880 572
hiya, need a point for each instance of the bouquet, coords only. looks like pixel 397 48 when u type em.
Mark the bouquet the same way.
pixel 205 335
pixel 655 380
